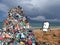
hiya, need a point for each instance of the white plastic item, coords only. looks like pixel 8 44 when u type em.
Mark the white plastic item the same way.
pixel 22 35
pixel 33 43
pixel 4 28
pixel 27 26
pixel 45 26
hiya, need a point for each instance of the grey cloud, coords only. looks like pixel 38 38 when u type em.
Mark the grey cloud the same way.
pixel 3 7
pixel 46 8
pixel 42 18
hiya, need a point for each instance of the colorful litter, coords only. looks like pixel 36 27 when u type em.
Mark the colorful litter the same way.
pixel 16 29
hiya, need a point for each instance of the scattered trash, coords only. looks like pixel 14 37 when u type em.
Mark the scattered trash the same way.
pixel 16 29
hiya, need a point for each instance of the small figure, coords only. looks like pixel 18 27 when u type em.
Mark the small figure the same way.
pixel 45 26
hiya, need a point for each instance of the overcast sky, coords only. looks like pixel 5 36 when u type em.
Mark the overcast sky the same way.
pixel 34 9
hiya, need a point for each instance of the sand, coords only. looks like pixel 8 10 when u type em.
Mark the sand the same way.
pixel 52 37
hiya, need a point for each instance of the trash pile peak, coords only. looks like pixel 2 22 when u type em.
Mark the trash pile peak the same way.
pixel 16 19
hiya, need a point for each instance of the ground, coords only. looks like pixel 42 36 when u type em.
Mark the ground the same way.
pixel 51 37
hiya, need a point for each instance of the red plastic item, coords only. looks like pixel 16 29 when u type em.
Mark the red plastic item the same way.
pixel 29 42
pixel 1 38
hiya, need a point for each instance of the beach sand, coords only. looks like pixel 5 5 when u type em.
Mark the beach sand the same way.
pixel 52 37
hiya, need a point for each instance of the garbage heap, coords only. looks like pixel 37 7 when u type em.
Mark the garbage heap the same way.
pixel 16 29
pixel 16 20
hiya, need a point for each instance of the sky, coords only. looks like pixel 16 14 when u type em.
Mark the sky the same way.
pixel 38 10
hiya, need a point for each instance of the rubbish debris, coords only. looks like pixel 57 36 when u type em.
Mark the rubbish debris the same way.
pixel 16 29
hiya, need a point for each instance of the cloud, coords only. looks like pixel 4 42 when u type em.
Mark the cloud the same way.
pixel 31 4
pixel 10 3
pixel 3 11
pixel 42 4
pixel 38 18
pixel 40 8
pixel 4 7
pixel 42 18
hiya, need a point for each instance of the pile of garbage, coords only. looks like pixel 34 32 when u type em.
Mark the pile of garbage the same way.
pixel 16 29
